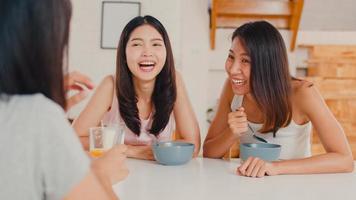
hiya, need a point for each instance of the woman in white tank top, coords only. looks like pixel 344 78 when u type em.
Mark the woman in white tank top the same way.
pixel 260 96
pixel 147 94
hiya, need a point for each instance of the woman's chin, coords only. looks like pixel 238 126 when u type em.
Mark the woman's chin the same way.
pixel 146 77
pixel 239 90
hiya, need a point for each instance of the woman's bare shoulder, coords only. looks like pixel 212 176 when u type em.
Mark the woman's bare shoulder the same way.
pixel 108 83
pixel 108 80
pixel 305 94
pixel 179 78
pixel 301 87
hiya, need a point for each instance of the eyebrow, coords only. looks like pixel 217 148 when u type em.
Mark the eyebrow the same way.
pixel 133 39
pixel 157 39
pixel 241 54
pixel 140 39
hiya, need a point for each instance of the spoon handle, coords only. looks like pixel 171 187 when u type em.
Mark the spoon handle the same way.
pixel 255 136
pixel 259 138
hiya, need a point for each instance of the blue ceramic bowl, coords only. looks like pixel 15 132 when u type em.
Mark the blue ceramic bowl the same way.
pixel 173 153
pixel 265 151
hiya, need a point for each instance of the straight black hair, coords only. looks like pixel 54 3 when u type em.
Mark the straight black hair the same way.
pixel 270 77
pixel 34 37
pixel 164 93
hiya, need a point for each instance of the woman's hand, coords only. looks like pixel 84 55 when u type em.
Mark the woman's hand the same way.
pixel 112 164
pixel 84 140
pixel 237 121
pixel 140 152
pixel 256 167
pixel 79 82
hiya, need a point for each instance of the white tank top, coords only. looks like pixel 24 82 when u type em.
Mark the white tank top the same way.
pixel 294 139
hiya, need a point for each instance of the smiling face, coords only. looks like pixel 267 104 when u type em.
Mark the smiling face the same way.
pixel 238 68
pixel 145 53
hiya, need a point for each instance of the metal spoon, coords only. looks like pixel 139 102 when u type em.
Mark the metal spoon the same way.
pixel 255 136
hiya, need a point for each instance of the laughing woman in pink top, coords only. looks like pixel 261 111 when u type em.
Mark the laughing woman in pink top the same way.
pixel 147 95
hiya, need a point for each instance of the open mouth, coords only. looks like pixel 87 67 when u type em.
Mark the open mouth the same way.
pixel 238 81
pixel 147 66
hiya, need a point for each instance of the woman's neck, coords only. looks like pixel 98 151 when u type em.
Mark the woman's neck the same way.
pixel 144 90
pixel 248 98
pixel 253 112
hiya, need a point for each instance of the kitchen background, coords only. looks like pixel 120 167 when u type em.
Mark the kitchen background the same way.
pixel 323 22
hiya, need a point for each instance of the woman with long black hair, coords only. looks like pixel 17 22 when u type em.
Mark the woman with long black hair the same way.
pixel 147 95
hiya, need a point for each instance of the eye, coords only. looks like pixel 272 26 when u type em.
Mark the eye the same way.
pixel 244 60
pixel 230 57
pixel 136 44
pixel 157 44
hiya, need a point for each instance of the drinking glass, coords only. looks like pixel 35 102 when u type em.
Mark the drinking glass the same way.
pixel 103 138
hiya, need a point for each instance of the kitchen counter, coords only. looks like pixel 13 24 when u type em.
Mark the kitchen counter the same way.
pixel 205 179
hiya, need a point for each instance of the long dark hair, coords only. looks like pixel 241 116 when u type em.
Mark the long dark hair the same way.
pixel 34 35
pixel 164 93
pixel 270 78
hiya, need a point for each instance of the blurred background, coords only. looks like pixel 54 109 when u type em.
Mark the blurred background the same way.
pixel 323 31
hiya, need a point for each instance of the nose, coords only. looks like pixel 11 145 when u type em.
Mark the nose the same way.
pixel 146 51
pixel 235 68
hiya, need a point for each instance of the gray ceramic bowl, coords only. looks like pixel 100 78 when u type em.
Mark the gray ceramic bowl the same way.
pixel 265 151
pixel 173 153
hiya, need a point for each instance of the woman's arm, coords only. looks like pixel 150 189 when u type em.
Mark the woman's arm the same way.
pixel 91 188
pixel 338 156
pixel 92 114
pixel 186 123
pixel 220 137
pixel 143 152
pixel 105 172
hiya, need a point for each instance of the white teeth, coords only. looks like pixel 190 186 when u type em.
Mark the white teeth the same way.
pixel 146 63
pixel 238 81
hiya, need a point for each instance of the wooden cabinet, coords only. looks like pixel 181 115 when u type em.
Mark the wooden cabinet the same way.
pixel 284 14
pixel 333 71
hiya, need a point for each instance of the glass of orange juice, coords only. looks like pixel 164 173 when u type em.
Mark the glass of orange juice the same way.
pixel 104 138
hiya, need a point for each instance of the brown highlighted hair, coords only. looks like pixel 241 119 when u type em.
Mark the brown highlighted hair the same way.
pixel 270 79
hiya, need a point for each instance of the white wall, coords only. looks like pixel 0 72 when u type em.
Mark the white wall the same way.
pixel 328 15
pixel 187 22
pixel 85 53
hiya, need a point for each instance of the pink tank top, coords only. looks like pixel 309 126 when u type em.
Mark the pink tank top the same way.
pixel 112 117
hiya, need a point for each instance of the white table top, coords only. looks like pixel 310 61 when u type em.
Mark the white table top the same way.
pixel 214 179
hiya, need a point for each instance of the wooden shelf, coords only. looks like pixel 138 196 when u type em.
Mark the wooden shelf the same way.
pixel 333 70
pixel 233 13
